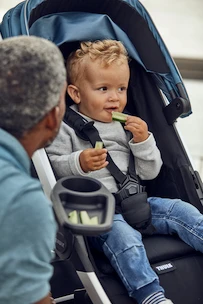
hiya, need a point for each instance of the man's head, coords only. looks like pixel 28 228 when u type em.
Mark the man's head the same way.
pixel 32 78
pixel 98 76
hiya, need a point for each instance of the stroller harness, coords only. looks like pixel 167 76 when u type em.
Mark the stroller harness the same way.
pixel 158 95
pixel 131 198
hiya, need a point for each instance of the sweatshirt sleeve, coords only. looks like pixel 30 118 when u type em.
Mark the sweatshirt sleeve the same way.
pixel 148 160
pixel 63 156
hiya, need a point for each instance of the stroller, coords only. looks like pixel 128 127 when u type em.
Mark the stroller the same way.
pixel 157 94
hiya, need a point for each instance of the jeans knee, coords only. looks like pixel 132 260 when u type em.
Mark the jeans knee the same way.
pixel 166 207
pixel 122 237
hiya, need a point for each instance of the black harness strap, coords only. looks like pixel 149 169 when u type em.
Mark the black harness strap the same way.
pixel 91 132
pixel 88 132
pixel 131 199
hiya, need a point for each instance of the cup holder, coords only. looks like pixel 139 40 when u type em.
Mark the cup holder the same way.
pixel 81 184
pixel 83 205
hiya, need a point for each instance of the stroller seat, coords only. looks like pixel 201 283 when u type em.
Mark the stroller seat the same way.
pixel 157 94
pixel 169 258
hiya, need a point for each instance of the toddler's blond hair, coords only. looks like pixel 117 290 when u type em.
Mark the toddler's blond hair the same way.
pixel 105 51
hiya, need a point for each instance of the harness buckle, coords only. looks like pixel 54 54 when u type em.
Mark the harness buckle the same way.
pixel 130 186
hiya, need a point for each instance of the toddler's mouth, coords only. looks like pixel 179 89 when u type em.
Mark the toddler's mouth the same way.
pixel 113 109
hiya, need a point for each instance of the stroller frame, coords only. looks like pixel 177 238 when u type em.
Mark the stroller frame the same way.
pixel 167 79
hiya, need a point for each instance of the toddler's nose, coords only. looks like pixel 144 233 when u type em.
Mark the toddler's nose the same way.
pixel 113 96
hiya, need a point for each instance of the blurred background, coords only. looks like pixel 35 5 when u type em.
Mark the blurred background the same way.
pixel 180 24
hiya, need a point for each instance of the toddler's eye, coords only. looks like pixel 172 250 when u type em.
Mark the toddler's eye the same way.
pixel 103 89
pixel 121 89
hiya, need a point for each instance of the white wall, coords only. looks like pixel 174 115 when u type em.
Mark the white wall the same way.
pixel 180 24
pixel 6 4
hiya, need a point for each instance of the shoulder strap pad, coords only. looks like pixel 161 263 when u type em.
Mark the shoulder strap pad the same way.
pixel 86 131
pixel 77 122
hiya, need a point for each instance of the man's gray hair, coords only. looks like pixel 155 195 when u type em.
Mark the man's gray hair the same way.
pixel 32 75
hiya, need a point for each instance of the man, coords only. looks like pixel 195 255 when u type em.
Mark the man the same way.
pixel 32 105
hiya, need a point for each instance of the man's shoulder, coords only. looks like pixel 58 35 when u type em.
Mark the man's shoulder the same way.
pixel 27 233
pixel 14 181
pixel 22 193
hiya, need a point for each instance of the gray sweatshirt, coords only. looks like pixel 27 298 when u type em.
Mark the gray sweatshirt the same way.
pixel 66 148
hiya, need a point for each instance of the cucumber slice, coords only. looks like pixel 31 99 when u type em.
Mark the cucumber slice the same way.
pixel 121 117
pixel 84 217
pixel 94 220
pixel 73 217
pixel 98 145
pixel 86 220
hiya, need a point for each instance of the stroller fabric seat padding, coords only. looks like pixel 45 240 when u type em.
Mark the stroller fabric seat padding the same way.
pixel 173 248
pixel 88 26
pixel 155 82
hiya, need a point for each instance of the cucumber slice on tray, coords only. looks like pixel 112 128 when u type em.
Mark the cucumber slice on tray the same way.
pixel 73 217
pixel 85 219
pixel 118 116
pixel 82 217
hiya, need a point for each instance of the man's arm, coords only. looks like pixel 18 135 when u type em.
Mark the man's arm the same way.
pixel 29 246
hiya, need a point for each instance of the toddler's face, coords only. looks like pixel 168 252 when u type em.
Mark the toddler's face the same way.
pixel 103 90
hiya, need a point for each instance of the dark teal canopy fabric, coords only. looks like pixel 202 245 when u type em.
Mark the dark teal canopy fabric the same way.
pixel 63 21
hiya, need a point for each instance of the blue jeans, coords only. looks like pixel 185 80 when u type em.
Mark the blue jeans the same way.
pixel 124 248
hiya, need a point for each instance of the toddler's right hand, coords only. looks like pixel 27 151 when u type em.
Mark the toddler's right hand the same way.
pixel 93 159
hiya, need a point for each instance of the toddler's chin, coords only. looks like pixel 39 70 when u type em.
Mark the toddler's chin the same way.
pixel 108 120
pixel 104 119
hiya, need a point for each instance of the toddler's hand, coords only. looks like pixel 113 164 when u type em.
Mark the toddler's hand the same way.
pixel 93 159
pixel 137 127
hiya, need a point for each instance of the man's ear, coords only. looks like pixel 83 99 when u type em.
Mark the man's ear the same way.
pixel 52 119
pixel 74 93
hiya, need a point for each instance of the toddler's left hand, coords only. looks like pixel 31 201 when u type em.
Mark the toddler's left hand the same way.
pixel 137 127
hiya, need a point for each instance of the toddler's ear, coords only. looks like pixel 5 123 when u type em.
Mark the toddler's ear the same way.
pixel 74 93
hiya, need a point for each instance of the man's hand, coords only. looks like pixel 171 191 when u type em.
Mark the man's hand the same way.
pixel 93 159
pixel 137 127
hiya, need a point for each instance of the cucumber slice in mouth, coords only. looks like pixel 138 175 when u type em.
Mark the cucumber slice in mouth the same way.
pixel 121 117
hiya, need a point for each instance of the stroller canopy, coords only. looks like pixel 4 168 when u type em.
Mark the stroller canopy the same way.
pixel 68 22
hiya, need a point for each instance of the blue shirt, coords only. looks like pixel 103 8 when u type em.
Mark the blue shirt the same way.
pixel 27 228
